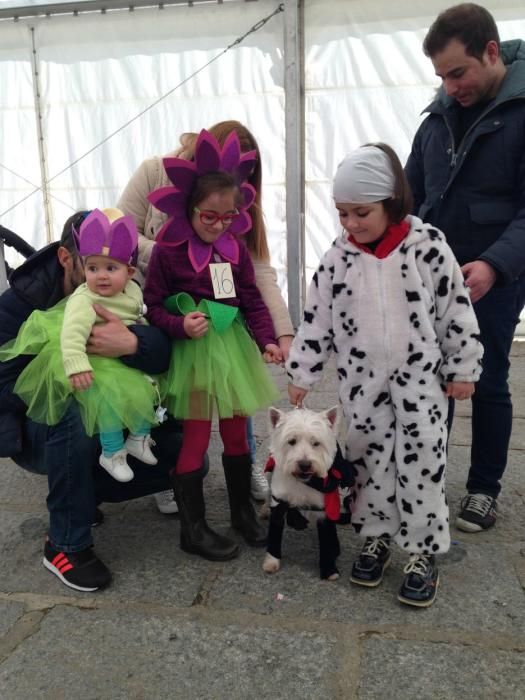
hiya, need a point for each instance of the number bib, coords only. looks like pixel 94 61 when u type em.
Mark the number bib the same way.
pixel 222 280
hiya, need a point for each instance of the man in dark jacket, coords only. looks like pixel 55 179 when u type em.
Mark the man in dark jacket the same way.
pixel 467 173
pixel 64 452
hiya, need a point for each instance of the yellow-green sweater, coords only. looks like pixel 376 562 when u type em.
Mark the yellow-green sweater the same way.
pixel 80 316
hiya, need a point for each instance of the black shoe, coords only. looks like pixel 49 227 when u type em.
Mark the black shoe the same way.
pixel 478 512
pixel 421 581
pixel 196 536
pixel 244 518
pixel 82 571
pixel 98 518
pixel 370 566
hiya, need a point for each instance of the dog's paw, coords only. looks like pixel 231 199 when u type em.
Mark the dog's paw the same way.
pixel 329 573
pixel 271 564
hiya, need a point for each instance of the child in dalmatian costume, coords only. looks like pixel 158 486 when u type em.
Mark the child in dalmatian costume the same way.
pixel 389 299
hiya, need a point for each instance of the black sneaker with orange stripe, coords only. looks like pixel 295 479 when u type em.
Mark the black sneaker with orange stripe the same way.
pixel 82 571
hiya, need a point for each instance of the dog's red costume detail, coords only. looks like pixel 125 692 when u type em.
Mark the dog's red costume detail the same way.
pixel 329 486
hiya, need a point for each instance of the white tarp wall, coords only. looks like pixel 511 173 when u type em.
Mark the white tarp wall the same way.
pixel 97 71
pixel 366 79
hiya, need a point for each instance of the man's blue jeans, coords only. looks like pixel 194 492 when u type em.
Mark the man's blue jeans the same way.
pixel 77 483
pixel 252 445
pixel 498 314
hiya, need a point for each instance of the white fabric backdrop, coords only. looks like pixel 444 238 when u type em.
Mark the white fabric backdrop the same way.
pixel 366 80
pixel 98 71
pixel 18 137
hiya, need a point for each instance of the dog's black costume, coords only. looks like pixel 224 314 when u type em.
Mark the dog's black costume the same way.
pixel 341 473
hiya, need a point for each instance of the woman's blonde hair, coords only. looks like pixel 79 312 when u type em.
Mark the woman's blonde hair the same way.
pixel 255 238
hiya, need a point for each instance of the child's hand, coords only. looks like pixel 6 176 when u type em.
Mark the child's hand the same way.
pixel 459 390
pixel 81 380
pixel 272 353
pixel 285 342
pixel 296 395
pixel 195 324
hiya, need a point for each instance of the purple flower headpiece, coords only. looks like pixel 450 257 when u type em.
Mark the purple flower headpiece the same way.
pixel 98 235
pixel 209 157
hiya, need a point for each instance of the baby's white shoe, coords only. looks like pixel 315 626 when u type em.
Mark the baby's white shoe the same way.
pixel 117 465
pixel 139 446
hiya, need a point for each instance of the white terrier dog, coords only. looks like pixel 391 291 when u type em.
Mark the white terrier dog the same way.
pixel 303 445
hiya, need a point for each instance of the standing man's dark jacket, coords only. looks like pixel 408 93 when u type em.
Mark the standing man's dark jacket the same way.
pixel 474 190
pixel 39 284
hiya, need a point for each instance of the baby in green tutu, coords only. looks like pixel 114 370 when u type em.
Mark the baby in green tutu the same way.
pixel 111 395
pixel 200 289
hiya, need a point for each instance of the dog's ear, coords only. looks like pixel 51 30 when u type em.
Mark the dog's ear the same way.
pixel 332 416
pixel 274 416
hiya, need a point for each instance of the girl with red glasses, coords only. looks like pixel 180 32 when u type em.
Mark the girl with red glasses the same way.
pixel 150 176
pixel 200 289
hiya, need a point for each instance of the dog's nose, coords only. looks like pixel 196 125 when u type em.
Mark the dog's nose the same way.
pixel 305 465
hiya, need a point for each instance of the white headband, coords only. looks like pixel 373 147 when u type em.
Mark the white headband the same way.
pixel 364 176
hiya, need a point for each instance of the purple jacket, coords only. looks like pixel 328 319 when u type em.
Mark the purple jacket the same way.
pixel 170 272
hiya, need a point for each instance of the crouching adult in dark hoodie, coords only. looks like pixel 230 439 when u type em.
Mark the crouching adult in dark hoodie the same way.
pixel 64 452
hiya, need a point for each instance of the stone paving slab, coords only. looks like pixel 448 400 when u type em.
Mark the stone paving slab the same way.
pixel 9 614
pixel 495 603
pixel 20 489
pixel 129 654
pixel 393 669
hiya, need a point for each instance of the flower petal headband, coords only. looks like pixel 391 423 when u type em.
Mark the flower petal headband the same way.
pixel 209 157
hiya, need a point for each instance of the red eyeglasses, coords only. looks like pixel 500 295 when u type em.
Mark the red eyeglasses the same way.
pixel 210 218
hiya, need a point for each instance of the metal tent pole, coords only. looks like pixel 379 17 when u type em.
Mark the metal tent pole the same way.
pixel 53 8
pixel 41 139
pixel 294 123
pixel 3 274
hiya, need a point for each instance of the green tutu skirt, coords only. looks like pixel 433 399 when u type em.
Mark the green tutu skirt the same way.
pixel 220 371
pixel 119 397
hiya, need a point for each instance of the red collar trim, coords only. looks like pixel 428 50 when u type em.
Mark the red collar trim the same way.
pixel 270 464
pixel 391 239
pixel 332 502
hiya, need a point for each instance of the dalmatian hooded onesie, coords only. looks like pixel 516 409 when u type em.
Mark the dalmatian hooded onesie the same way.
pixel 400 327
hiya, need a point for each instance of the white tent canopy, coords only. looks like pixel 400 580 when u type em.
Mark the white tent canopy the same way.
pixel 68 81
